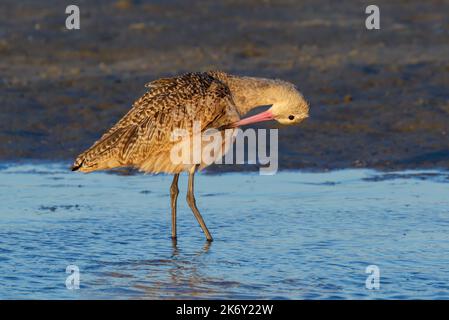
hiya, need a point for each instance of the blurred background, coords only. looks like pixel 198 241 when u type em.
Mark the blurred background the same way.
pixel 379 98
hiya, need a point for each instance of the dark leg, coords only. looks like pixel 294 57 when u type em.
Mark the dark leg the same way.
pixel 192 205
pixel 173 197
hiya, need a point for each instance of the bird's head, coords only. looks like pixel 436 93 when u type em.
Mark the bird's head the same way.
pixel 290 111
pixel 289 108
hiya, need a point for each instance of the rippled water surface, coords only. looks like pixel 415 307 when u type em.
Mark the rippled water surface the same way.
pixel 293 235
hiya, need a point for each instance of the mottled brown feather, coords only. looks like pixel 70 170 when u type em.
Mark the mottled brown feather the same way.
pixel 141 138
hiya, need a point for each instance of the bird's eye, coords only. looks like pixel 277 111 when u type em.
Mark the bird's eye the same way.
pixel 291 117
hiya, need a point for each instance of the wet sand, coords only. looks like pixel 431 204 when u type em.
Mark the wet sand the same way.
pixel 379 99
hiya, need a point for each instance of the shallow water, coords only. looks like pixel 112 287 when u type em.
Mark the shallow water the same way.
pixel 293 235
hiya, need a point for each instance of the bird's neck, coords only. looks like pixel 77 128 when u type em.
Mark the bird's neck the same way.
pixel 250 93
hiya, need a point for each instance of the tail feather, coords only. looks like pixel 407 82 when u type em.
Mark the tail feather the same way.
pixel 101 155
pixel 77 165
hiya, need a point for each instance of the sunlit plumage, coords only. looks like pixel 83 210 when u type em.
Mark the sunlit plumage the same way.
pixel 142 138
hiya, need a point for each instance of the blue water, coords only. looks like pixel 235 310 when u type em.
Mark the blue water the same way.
pixel 293 235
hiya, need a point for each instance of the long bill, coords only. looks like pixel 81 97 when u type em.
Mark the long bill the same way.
pixel 260 117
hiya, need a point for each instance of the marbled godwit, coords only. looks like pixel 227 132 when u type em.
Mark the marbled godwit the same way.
pixel 141 139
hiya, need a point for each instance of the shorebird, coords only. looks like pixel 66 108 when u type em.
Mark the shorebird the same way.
pixel 142 138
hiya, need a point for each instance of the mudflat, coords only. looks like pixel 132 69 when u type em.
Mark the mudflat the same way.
pixel 378 98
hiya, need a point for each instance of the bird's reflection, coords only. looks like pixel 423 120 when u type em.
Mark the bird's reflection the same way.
pixel 175 250
pixel 183 274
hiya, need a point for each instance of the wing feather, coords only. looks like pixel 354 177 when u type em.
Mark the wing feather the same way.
pixel 146 129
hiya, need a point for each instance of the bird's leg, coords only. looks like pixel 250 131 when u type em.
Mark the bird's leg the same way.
pixel 192 204
pixel 173 197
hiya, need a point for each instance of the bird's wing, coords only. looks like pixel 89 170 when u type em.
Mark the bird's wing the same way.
pixel 171 103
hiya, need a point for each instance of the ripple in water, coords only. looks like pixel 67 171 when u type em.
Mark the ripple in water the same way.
pixel 294 235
